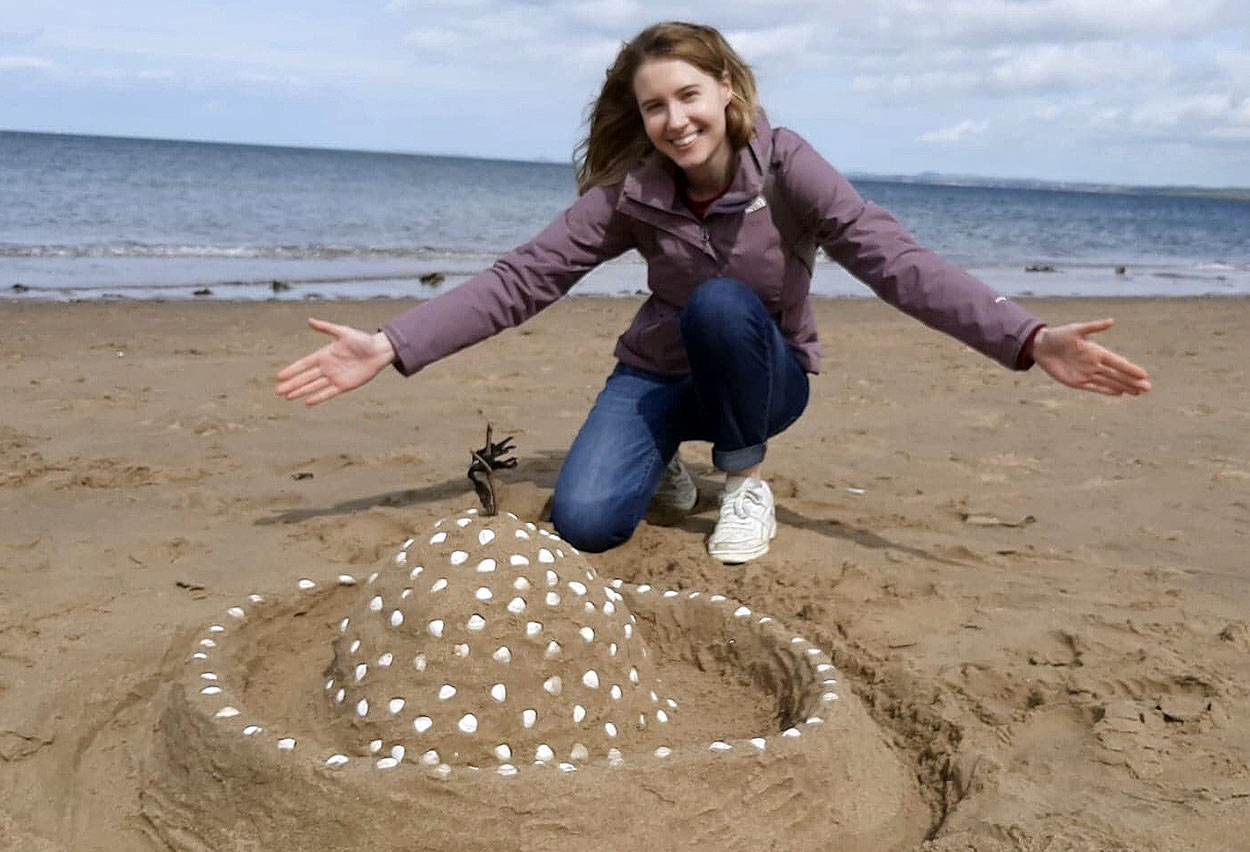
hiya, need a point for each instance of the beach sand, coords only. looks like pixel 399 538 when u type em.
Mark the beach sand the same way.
pixel 1041 597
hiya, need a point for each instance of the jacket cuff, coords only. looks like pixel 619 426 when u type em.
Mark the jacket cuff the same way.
pixel 1025 359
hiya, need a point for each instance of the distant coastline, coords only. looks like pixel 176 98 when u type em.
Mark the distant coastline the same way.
pixel 1227 193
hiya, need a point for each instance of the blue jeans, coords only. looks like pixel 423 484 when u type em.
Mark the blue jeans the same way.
pixel 744 386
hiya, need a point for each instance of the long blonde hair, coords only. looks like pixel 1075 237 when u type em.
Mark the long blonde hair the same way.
pixel 616 140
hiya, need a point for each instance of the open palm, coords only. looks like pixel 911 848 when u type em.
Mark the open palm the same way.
pixel 1066 354
pixel 349 361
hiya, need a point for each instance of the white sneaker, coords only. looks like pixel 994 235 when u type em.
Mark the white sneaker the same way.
pixel 677 491
pixel 748 521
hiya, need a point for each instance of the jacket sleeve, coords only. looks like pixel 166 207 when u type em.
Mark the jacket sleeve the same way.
pixel 880 252
pixel 515 287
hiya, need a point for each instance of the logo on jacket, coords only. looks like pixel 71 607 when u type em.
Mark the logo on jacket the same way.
pixel 758 204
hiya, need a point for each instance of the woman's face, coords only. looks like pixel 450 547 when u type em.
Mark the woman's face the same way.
pixel 683 111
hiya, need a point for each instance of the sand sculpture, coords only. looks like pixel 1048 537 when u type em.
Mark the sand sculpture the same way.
pixel 486 669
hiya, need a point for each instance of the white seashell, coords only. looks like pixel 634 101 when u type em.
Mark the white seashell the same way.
pixel 442 770
pixel 252 730
pixel 372 577
pixel 591 679
pixel 614 757
pixel 587 634
pixel 766 620
pixel 520 584
pixel 661 716
pixel 256 599
pixel 362 707
pixel 475 622
pixel 528 718
pixel 813 652
pixel 559 552
pixel 340 695
pixel 286 744
pixel 503 752
pixel 507 770
pixel 336 760
pixel 485 536
pixel 670 593
pixel 386 659
pixel 499 692
pixel 609 608
pixel 502 655
pixel 742 612
pixel 609 729
pixel 579 752
pixel 438 538
pixel 553 599
pixel 663 751
pixel 415 572
pixel 797 640
pixel 633 675
pixel 693 595
pixel 208 643
pixel 436 629
pixel 397 618
pixel 566 767
pixel 397 752
pixel 430 758
pixel 629 631
pixel 470 511
pixel 236 612
pixel 407 544
pixel 355 646
pixel 361 671
pixel 578 589
pixel 375 603
pixel 522 534
pixel 529 526
pixel 401 558
pixel 644 588
pixel 553 685
pixel 439 584
pixel 543 753
pixel 421 724
pixel 211 690
pixel 615 692
pixel 388 763
pixel 375 746
pixel 829 682
pixel 759 742
pixel 463 522
pixel 467 723
pixel 405 594
pixel 720 746
pixel 227 713
pixel 486 566
pixel 829 696
pixel 533 628
pixel 216 628
pixel 458 557
pixel 395 705
pixel 418 662
pixel 343 625
pixel 446 691
pixel 813 720
pixel 589 608
pixel 516 606
pixel 483 594
pixel 654 698
pixel 544 555
pixel 210 676
pixel 553 650
pixel 824 667
pixel 790 732
pixel 717 598
pixel 305 584
pixel 612 649
pixel 199 655
pixel 671 703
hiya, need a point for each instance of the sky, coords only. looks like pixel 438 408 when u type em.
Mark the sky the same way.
pixel 1150 92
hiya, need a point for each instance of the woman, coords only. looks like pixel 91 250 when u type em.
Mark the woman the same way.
pixel 680 164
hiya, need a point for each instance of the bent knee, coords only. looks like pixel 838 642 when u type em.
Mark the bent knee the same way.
pixel 591 527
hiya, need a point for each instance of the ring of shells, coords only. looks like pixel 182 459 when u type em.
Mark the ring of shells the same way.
pixel 488 644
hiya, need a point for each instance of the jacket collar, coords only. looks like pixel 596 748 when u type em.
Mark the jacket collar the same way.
pixel 652 182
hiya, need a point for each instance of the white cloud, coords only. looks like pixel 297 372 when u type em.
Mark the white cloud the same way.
pixel 956 133
pixel 26 63
pixel 1077 66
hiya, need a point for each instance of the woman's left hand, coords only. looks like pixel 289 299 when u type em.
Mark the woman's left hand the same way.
pixel 1065 353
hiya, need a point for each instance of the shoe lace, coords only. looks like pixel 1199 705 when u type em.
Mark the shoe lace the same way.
pixel 738 505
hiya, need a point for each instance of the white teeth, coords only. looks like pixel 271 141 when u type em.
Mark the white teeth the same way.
pixel 685 141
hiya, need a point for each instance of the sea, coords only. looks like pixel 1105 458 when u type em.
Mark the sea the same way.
pixel 86 217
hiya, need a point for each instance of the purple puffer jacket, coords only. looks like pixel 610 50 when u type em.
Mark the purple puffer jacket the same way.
pixel 737 239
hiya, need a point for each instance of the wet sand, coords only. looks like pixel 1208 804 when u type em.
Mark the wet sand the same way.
pixel 1039 596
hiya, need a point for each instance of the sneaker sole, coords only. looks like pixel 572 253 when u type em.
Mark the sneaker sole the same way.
pixel 737 557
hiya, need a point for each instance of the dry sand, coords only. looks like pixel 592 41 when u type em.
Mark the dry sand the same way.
pixel 1040 596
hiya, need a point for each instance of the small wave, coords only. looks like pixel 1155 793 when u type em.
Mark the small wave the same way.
pixel 272 252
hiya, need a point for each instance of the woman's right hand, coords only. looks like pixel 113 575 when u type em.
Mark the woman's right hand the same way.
pixel 352 359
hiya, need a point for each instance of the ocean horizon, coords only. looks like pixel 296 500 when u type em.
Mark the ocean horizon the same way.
pixel 87 217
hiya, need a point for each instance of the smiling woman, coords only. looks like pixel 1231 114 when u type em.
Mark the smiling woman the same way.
pixel 680 163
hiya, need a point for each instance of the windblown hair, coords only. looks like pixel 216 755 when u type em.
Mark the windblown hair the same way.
pixel 616 140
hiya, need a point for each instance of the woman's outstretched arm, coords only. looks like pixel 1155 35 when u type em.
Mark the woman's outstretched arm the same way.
pixel 349 361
